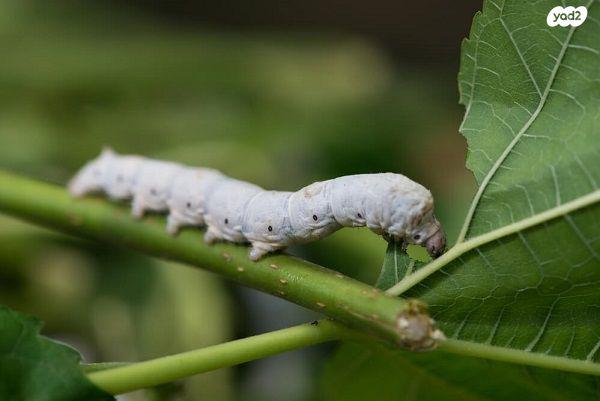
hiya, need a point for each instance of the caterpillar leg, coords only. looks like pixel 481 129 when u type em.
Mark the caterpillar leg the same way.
pixel 395 240
pixel 137 207
pixel 76 191
pixel 173 225
pixel 260 249
pixel 211 236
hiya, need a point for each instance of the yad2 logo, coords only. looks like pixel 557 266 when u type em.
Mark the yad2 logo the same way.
pixel 565 16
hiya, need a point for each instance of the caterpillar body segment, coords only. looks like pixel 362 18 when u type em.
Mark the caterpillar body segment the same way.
pixel 266 224
pixel 310 213
pixel 225 208
pixel 187 201
pixel 152 186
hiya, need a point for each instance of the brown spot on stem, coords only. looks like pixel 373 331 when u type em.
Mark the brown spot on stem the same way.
pixel 320 304
pixel 416 330
pixel 240 269
pixel 283 281
pixel 273 266
pixel 75 220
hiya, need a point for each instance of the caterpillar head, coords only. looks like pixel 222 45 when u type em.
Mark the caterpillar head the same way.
pixel 429 233
pixel 413 222
pixel 92 177
pixel 310 213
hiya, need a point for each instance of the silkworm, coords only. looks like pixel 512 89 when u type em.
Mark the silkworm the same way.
pixel 388 204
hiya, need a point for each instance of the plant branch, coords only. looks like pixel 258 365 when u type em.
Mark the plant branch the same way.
pixel 157 371
pixel 335 295
pixel 503 354
pixel 98 366
pixel 118 378
pixel 464 247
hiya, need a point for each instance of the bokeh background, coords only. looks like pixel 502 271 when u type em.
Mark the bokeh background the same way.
pixel 278 93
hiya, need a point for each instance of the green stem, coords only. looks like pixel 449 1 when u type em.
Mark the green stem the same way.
pixel 173 367
pixel 335 295
pixel 98 366
pixel 511 355
pixel 117 378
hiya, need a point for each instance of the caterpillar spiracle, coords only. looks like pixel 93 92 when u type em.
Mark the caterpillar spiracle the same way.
pixel 388 204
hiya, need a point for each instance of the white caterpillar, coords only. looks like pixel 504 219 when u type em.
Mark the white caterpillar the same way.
pixel 389 204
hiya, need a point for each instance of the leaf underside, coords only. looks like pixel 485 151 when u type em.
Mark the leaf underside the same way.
pixel 35 368
pixel 396 265
pixel 532 124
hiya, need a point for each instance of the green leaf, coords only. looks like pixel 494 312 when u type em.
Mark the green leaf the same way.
pixel 532 95
pixel 363 372
pixel 532 107
pixel 400 263
pixel 525 273
pixel 533 102
pixel 396 265
pixel 35 368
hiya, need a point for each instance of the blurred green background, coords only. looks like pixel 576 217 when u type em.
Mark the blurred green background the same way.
pixel 280 96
